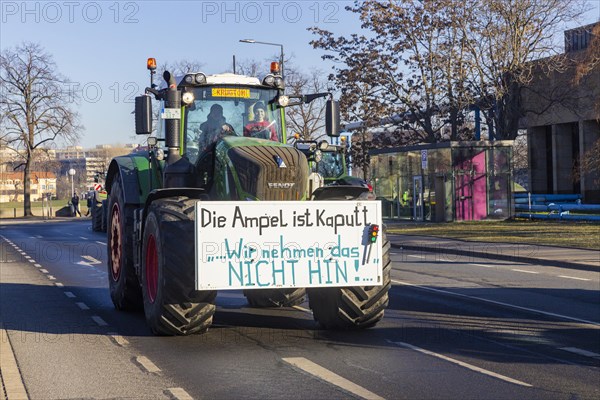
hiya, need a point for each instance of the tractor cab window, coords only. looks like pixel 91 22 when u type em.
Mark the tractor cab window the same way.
pixel 260 125
pixel 230 111
pixel 331 164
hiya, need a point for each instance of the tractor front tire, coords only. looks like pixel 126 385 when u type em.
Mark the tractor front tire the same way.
pixel 275 297
pixel 353 307
pixel 171 304
pixel 125 290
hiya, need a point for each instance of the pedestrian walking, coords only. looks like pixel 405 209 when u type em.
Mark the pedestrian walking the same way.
pixel 75 202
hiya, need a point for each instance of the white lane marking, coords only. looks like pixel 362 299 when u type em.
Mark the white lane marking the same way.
pixel 99 320
pixel 524 271
pixel 413 256
pixel 483 265
pixel 51 277
pixel 87 264
pixel 37 265
pixel 331 377
pixel 573 277
pixel 585 321
pixel 179 394
pixel 306 310
pixel 59 284
pixel 45 271
pixel 31 260
pixel 12 382
pixel 70 295
pixel 118 339
pixel 148 365
pixel 100 242
pixel 581 352
pixel 92 260
pixel 83 306
pixel 461 363
pixel 27 258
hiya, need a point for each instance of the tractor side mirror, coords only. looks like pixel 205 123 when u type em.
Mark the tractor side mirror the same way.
pixel 143 115
pixel 332 118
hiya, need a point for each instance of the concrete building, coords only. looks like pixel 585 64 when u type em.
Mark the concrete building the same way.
pixel 562 118
pixel 89 162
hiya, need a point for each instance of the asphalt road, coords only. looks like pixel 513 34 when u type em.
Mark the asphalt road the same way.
pixel 455 328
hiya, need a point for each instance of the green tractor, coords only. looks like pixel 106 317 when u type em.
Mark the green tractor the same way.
pixel 329 166
pixel 99 203
pixel 219 201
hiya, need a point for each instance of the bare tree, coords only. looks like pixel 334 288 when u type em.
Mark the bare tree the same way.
pixel 354 76
pixel 307 120
pixel 590 63
pixel 427 62
pixel 250 67
pixel 504 39
pixel 590 164
pixel 35 106
pixel 414 60
pixel 181 67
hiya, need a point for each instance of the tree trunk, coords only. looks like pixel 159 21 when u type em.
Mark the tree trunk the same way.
pixel 365 155
pixel 27 189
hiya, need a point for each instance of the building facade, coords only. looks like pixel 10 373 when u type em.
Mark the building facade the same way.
pixel 562 118
pixel 43 184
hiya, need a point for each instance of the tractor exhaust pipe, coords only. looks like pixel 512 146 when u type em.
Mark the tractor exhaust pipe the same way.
pixel 172 125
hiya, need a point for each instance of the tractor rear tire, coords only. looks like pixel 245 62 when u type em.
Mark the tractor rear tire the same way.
pixel 353 307
pixel 104 215
pixel 275 297
pixel 125 290
pixel 96 217
pixel 172 305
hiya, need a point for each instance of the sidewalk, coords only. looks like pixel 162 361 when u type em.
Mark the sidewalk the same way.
pixel 524 253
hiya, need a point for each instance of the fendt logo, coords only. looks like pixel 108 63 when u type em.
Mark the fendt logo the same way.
pixel 281 185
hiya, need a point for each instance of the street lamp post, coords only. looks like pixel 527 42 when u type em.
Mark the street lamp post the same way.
pixel 270 44
pixel 72 174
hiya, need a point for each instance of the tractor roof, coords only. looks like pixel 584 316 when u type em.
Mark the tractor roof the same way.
pixel 219 79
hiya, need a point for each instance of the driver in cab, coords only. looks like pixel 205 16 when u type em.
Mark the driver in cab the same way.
pixel 214 127
pixel 260 127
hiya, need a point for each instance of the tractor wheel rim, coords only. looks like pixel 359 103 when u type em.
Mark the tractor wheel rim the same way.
pixel 151 269
pixel 115 243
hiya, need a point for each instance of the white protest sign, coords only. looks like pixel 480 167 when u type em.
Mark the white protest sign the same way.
pixel 271 244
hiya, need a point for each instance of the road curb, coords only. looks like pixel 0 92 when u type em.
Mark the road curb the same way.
pixel 37 220
pixel 472 253
pixel 11 379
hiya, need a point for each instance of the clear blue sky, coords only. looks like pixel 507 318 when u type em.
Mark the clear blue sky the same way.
pixel 102 46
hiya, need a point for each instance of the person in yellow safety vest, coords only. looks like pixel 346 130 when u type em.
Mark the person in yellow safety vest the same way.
pixel 405 198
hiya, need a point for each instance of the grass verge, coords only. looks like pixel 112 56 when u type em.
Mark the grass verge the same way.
pixel 553 233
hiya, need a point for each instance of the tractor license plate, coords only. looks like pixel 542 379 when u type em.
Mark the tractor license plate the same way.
pixel 292 244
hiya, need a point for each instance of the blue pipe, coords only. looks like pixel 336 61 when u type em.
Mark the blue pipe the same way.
pixel 560 216
pixel 558 207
